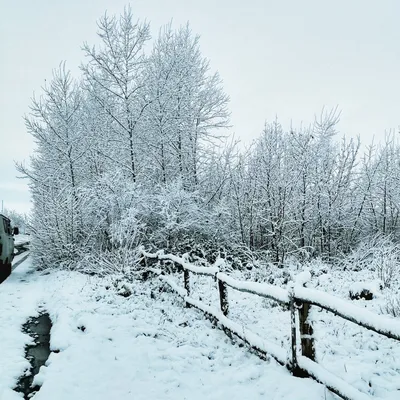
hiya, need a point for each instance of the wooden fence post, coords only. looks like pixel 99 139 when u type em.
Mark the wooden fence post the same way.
pixel 223 297
pixel 293 328
pixel 186 282
pixel 306 332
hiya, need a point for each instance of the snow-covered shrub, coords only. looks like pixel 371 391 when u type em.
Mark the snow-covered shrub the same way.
pixel 183 215
pixel 57 234
pixel 121 261
pixel 365 290
pixel 379 254
pixel 388 265
pixel 392 304
pixel 109 210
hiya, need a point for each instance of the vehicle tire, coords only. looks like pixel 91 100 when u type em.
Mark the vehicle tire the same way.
pixel 7 269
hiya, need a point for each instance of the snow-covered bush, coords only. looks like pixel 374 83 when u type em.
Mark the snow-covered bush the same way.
pixel 379 254
pixel 57 233
pixel 365 290
pixel 181 215
pixel 121 261
pixel 392 304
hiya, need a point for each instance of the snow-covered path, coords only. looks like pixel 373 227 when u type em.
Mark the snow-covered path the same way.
pixel 130 348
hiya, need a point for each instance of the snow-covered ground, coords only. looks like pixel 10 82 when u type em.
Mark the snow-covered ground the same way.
pixel 132 347
pixel 368 361
pixel 148 346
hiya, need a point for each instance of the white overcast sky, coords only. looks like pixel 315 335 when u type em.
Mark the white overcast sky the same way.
pixel 284 57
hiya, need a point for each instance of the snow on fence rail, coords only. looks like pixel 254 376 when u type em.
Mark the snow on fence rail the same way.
pixel 301 361
pixel 374 322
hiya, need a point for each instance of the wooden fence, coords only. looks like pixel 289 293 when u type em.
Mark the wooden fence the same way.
pixel 301 360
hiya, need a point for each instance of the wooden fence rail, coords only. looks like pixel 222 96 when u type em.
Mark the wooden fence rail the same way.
pixel 301 359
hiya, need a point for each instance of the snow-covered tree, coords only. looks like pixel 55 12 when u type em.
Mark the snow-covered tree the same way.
pixel 137 152
pixel 115 77
pixel 56 168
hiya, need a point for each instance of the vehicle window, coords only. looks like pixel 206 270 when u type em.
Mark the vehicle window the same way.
pixel 7 226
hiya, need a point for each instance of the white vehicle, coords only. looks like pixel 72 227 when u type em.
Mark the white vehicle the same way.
pixel 6 244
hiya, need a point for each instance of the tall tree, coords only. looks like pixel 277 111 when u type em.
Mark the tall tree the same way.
pixel 189 105
pixel 57 167
pixel 115 76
